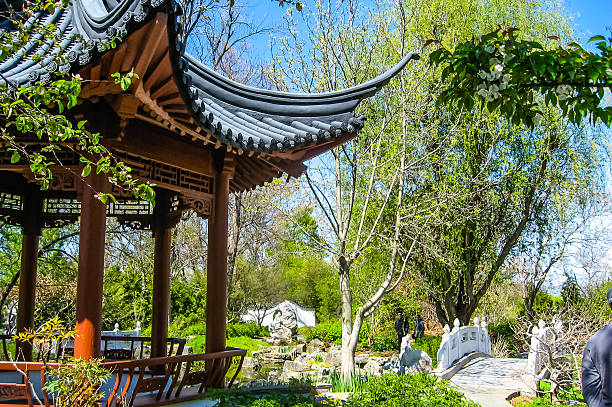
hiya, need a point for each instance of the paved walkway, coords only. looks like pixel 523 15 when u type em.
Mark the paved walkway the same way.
pixel 488 381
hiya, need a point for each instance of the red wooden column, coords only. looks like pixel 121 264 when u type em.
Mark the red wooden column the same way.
pixel 162 228
pixel 29 266
pixel 216 292
pixel 91 268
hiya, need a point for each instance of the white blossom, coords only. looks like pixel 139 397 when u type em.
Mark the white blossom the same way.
pixel 537 119
pixel 563 92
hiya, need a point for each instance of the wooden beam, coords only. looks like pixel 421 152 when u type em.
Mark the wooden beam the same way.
pixel 157 31
pixel 162 71
pixel 166 149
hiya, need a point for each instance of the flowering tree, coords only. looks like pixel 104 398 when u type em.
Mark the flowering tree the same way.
pixel 518 78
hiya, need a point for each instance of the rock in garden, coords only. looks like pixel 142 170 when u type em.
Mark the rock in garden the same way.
pixel 372 368
pixel 250 363
pixel 281 332
pixel 333 357
pixel 415 361
pixel 316 345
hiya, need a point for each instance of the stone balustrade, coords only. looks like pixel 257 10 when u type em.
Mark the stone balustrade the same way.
pixel 461 341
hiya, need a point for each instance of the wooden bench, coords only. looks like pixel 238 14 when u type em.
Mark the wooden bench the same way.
pixel 169 380
pixel 22 394
pixel 139 383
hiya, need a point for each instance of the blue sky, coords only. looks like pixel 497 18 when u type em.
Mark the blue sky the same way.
pixel 590 17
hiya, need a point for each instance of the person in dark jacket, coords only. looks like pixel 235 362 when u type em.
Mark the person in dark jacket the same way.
pixel 597 366
pixel 419 327
pixel 402 327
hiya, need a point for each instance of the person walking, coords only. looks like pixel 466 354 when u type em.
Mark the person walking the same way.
pixel 419 327
pixel 401 328
pixel 597 366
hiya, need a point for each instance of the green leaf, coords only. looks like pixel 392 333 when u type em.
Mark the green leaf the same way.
pixel 86 170
pixel 597 38
pixel 15 157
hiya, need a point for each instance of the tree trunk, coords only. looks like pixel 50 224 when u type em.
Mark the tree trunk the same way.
pixel 234 238
pixel 348 351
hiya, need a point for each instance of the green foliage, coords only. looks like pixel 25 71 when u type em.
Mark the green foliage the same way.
pixel 354 384
pixel 198 344
pixel 40 111
pixel 127 297
pixel 408 391
pixel 250 330
pixel 384 338
pixel 73 381
pixel 429 344
pixel 536 402
pixel 187 325
pixel 545 304
pixel 518 77
pixel 241 398
pixel 78 383
pixel 504 331
pixel 570 291
pixel 328 331
pixel 188 295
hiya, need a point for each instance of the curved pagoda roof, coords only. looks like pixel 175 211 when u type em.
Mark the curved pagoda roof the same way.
pixel 267 132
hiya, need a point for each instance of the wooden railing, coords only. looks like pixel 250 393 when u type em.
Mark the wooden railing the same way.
pixel 144 382
pixel 175 347
pixel 170 379
pixel 25 390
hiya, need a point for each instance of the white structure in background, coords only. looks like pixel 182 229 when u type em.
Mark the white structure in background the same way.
pixel 542 340
pixel 267 316
pixel 120 344
pixel 461 341
pixel 69 343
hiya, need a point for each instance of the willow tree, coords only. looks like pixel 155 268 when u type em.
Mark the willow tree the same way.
pixel 492 176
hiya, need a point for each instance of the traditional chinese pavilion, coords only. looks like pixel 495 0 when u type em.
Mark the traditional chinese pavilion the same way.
pixel 193 133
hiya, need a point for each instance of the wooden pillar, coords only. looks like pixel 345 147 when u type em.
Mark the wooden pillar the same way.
pixel 29 264
pixel 162 228
pixel 91 268
pixel 216 292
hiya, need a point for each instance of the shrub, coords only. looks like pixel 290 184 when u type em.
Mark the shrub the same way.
pixel 504 332
pixel 384 339
pixel 328 331
pixel 409 391
pixel 429 344
pixel 236 397
pixel 189 325
pixel 252 330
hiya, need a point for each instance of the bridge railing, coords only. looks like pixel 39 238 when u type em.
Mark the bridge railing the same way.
pixel 461 341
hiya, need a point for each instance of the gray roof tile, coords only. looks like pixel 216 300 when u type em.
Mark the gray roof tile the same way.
pixel 238 115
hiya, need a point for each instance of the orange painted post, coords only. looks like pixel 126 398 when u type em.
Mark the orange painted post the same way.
pixel 161 274
pixel 91 268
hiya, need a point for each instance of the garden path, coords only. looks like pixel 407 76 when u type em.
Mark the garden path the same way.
pixel 488 381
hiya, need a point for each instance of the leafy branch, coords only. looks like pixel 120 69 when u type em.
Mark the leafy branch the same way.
pixel 517 78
